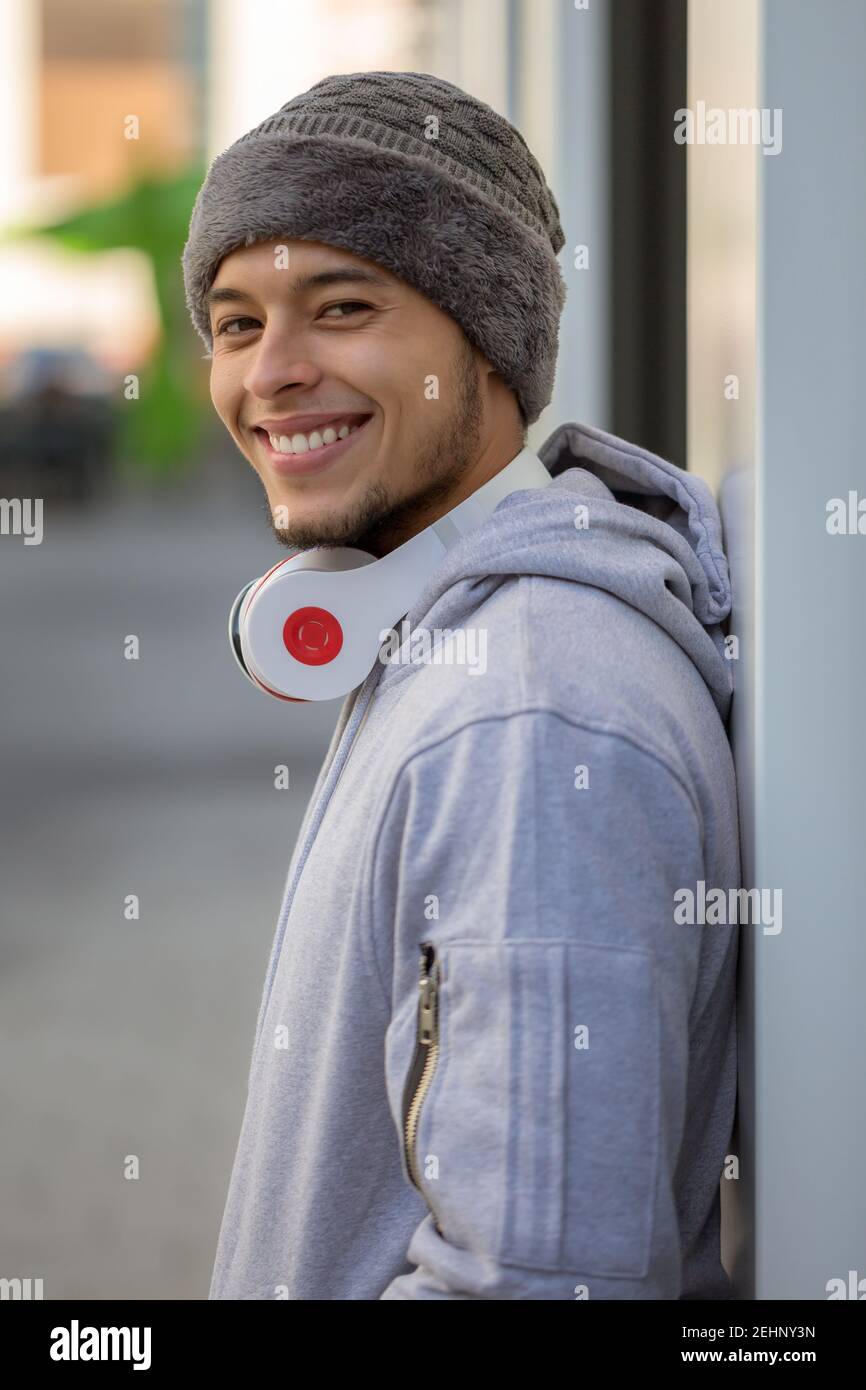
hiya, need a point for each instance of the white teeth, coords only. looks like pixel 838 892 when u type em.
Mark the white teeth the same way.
pixel 301 443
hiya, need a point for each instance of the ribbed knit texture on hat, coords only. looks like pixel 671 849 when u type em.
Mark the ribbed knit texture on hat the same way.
pixel 458 207
pixel 473 142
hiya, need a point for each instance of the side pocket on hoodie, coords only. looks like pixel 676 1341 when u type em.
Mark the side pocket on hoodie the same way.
pixel 531 1106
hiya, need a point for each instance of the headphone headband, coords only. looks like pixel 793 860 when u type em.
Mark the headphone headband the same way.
pixel 310 628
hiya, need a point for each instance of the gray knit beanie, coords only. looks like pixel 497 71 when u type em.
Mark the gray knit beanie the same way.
pixel 409 171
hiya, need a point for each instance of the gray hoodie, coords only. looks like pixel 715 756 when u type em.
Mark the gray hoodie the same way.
pixel 490 1062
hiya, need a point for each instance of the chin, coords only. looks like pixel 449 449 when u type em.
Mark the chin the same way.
pixel 307 527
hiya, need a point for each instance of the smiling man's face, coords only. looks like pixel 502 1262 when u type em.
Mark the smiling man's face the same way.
pixel 362 406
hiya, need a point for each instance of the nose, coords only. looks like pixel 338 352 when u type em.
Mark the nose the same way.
pixel 276 364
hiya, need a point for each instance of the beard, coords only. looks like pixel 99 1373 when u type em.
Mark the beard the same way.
pixel 379 522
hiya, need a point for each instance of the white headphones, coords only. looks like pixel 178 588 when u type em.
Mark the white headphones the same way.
pixel 311 628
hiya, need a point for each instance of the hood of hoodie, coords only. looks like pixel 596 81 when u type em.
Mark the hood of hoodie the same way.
pixel 652 537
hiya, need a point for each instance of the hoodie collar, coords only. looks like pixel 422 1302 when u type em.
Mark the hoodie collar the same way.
pixel 653 539
pixel 657 488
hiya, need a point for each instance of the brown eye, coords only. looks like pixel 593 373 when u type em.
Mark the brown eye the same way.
pixel 226 324
pixel 347 304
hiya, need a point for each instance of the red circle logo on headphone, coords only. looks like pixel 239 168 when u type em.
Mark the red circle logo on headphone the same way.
pixel 312 636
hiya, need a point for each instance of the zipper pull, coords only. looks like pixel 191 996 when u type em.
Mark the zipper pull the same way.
pixel 427 1030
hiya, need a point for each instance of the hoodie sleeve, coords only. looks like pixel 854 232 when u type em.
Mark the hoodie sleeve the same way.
pixel 529 864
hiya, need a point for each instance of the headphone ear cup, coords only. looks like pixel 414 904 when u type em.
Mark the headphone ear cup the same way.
pixel 235 630
pixel 311 628
pixel 308 626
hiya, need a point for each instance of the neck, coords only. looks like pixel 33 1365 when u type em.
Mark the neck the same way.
pixel 395 531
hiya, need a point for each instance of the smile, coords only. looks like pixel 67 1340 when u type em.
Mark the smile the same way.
pixel 289 462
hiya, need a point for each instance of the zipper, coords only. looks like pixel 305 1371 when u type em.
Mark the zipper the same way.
pixel 305 842
pixel 424 1060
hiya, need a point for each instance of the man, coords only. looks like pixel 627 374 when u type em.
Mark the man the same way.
pixel 491 1059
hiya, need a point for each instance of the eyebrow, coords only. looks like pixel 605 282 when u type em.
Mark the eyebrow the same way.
pixel 346 275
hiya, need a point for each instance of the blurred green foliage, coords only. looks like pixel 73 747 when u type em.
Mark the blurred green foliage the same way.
pixel 159 434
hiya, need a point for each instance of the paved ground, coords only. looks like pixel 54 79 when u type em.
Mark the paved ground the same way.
pixel 152 777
